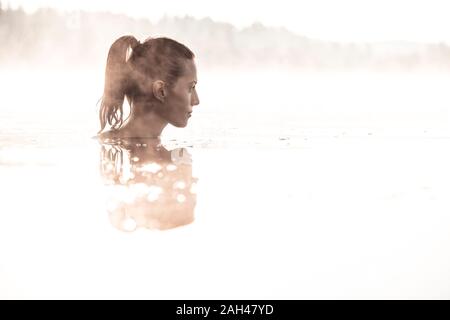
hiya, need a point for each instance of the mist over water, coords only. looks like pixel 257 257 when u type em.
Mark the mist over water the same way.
pixel 243 106
pixel 324 183
pixel 342 179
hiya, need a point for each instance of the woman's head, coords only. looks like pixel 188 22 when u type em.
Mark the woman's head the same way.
pixel 157 76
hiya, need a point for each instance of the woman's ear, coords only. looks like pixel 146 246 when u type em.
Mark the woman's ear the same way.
pixel 159 90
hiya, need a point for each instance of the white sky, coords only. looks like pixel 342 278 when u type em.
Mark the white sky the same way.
pixel 341 20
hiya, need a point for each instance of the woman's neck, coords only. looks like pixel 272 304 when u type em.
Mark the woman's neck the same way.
pixel 149 125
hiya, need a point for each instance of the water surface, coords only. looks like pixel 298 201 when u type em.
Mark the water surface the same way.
pixel 342 195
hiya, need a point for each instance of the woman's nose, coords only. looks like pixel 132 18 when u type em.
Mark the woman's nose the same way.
pixel 195 100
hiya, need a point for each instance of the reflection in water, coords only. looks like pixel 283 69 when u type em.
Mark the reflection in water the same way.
pixel 148 185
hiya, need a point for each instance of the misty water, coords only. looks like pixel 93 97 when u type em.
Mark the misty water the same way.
pixel 307 185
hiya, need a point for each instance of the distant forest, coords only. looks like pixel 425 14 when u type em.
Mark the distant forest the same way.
pixel 49 37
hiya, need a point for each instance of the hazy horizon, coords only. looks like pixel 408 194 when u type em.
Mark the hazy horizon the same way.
pixel 346 21
pixel 49 37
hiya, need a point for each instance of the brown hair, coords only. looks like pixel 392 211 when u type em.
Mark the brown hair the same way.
pixel 130 64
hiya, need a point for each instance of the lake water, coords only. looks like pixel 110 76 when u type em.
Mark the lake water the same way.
pixel 306 186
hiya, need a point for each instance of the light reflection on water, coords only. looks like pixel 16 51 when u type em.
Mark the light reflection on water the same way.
pixel 299 203
pixel 350 218
pixel 146 189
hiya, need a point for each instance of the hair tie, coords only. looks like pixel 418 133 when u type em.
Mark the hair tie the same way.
pixel 131 48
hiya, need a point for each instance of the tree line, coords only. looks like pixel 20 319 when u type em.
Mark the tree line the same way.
pixel 49 37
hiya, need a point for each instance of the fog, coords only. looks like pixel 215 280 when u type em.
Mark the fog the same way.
pixel 50 38
pixel 321 168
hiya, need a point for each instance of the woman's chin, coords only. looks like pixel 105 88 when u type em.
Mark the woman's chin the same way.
pixel 180 124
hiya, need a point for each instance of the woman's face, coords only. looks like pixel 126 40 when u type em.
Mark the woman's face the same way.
pixel 181 97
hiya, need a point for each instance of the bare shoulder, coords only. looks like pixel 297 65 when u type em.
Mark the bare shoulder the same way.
pixel 107 135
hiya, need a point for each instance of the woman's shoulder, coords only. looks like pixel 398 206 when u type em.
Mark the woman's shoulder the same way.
pixel 111 138
pixel 107 135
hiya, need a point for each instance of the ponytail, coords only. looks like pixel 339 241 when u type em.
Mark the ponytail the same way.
pixel 117 82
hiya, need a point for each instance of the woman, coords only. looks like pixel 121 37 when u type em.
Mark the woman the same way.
pixel 158 78
pixel 151 185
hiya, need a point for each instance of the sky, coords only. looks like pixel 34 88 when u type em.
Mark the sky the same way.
pixel 343 20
